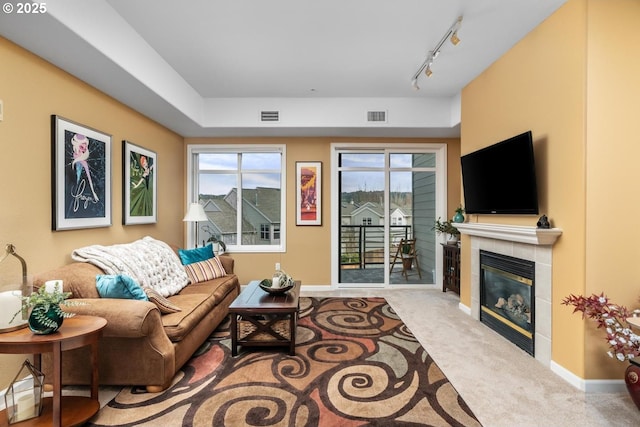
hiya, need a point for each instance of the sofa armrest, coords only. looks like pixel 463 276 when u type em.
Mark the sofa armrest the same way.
pixel 227 262
pixel 126 318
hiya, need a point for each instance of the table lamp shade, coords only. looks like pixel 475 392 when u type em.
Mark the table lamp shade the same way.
pixel 195 213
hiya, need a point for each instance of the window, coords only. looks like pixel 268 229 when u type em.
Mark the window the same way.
pixel 264 231
pixel 366 221
pixel 242 189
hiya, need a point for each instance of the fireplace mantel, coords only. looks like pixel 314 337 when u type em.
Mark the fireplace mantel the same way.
pixel 512 233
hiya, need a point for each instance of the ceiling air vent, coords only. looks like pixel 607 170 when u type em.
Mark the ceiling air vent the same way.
pixel 269 116
pixel 376 116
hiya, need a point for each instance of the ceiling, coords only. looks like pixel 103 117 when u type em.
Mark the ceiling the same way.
pixel 210 67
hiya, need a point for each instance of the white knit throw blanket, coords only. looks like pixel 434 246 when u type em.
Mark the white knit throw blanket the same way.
pixel 151 262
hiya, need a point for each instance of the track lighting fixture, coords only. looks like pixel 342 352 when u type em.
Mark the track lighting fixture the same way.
pixel 452 36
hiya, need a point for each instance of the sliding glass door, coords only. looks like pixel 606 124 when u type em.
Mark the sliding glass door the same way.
pixel 387 203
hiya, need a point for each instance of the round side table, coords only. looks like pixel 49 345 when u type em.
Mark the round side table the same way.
pixel 75 332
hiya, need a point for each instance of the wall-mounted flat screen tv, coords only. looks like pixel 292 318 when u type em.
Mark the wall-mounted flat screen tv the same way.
pixel 501 178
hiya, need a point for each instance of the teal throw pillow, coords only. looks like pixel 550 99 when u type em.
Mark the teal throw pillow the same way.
pixel 189 256
pixel 119 286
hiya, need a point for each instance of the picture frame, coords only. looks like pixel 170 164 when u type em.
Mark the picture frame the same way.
pixel 139 184
pixel 308 193
pixel 81 176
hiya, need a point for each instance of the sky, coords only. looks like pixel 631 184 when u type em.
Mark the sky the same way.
pixel 366 171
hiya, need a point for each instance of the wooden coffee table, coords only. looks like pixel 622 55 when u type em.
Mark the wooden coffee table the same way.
pixel 261 319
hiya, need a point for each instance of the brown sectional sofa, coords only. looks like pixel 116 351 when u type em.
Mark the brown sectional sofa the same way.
pixel 141 346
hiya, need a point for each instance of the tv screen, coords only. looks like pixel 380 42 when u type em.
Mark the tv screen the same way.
pixel 501 178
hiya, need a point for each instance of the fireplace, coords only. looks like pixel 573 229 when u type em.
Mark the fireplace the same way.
pixel 527 243
pixel 507 297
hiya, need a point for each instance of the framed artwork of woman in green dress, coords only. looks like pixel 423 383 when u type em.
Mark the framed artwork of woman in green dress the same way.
pixel 140 169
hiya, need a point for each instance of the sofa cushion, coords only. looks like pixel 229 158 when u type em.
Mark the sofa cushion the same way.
pixel 164 305
pixel 119 286
pixel 189 256
pixel 196 301
pixel 205 270
pixel 194 308
pixel 79 278
pixel 219 288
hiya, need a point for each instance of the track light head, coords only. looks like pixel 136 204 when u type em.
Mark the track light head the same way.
pixel 454 38
pixel 414 84
pixel 427 71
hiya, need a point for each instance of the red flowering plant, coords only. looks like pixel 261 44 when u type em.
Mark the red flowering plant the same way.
pixel 623 342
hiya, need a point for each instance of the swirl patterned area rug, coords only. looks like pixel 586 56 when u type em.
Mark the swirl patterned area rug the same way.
pixel 356 364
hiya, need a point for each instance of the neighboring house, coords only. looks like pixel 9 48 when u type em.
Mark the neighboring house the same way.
pixel 368 213
pixel 400 216
pixel 346 212
pixel 260 222
pixel 222 220
pixel 261 208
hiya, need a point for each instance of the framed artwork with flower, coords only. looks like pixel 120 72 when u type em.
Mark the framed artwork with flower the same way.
pixel 308 193
pixel 81 181
pixel 140 185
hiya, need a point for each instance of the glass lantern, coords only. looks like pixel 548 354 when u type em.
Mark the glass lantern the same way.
pixel 14 284
pixel 23 399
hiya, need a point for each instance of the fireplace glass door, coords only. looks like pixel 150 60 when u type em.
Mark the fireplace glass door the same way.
pixel 507 297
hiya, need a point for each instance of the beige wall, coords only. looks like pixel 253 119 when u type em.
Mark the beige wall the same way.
pixel 32 90
pixel 613 150
pixel 308 254
pixel 573 82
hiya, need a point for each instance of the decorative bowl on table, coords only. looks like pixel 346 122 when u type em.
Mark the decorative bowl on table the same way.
pixel 266 286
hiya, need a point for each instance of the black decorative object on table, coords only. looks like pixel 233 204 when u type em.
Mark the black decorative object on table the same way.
pixel 543 222
pixel 266 286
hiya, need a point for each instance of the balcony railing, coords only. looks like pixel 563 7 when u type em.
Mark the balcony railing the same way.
pixel 362 245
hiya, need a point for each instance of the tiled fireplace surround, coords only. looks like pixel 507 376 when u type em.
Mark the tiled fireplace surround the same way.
pixel 523 242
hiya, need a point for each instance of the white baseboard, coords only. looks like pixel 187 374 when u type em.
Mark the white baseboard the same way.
pixel 588 386
pixel 466 310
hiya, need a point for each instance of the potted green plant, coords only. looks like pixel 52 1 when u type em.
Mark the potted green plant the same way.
pixel 407 261
pixel 46 314
pixel 447 228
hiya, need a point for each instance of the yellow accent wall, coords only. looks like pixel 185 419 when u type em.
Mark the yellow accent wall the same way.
pixel 308 249
pixel 612 153
pixel 32 90
pixel 574 82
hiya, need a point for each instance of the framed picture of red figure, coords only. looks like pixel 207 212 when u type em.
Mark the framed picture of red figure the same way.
pixel 81 182
pixel 139 182
pixel 308 193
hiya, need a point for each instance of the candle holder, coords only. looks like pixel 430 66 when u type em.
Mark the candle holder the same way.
pixel 23 399
pixel 10 295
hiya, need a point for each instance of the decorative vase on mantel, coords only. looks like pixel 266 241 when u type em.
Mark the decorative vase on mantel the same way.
pixel 632 380
pixel 459 215
pixel 45 320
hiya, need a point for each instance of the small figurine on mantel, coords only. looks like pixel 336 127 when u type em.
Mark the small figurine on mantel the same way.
pixel 543 222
